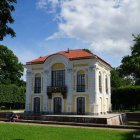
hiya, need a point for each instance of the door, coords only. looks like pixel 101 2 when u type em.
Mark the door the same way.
pixel 36 105
pixel 57 105
pixel 80 105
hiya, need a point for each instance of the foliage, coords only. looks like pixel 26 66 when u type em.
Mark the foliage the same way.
pixel 6 7
pixel 12 96
pixel 32 132
pixel 118 81
pixel 11 69
pixel 131 64
pixel 126 97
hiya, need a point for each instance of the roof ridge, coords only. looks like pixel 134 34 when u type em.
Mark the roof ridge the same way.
pixel 74 54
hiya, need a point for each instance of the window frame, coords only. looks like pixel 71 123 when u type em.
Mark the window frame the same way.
pixel 37 84
pixel 81 82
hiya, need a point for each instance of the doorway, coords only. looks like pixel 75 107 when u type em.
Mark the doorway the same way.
pixel 57 105
pixel 36 105
pixel 81 105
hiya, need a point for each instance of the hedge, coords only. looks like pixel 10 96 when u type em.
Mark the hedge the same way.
pixel 126 97
pixel 12 96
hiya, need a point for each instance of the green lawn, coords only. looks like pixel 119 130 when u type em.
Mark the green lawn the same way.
pixel 12 110
pixel 30 132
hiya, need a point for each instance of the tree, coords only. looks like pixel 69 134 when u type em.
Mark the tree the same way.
pixel 11 69
pixel 130 66
pixel 6 7
pixel 117 80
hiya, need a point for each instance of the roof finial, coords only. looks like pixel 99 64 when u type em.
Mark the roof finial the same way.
pixel 68 50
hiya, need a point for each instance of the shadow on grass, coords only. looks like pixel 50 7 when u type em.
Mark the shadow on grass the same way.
pixel 17 139
pixel 134 135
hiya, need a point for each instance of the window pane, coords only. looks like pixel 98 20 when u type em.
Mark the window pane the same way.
pixel 100 83
pixel 37 85
pixel 58 78
pixel 80 82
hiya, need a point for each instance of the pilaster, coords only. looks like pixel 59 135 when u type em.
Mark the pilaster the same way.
pixel 69 84
pixel 96 89
pixel 28 90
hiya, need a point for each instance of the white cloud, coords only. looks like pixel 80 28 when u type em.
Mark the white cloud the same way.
pixel 49 4
pixel 106 25
pixel 42 4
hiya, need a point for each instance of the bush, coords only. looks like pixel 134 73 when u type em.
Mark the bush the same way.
pixel 126 98
pixel 12 96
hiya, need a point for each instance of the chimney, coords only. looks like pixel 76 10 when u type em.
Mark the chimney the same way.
pixel 67 51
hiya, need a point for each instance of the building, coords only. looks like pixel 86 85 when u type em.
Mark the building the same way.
pixel 68 82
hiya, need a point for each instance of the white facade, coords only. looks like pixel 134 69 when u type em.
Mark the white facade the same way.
pixel 96 95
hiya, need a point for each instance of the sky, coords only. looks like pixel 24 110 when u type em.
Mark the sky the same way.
pixel 46 26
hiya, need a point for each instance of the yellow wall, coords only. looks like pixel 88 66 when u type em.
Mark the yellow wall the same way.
pixel 58 66
pixel 64 105
pixel 74 102
pixel 32 102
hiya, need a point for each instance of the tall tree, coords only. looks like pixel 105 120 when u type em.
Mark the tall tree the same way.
pixel 117 80
pixel 130 66
pixel 11 69
pixel 6 7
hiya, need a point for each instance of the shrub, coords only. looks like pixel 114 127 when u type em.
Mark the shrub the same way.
pixel 126 97
pixel 12 96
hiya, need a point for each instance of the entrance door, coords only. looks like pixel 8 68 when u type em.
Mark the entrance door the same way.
pixel 36 105
pixel 57 105
pixel 80 105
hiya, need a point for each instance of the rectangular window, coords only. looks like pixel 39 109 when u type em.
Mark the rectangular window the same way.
pixel 37 88
pixel 80 82
pixel 58 78
pixel 106 84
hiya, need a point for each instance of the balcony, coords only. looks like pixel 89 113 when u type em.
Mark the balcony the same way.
pixel 51 89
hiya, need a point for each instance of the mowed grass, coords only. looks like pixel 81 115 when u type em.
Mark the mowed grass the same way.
pixel 35 132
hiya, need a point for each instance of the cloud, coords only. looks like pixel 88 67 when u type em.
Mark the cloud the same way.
pixel 106 25
pixel 50 5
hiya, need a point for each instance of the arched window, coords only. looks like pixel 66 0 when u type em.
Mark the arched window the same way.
pixel 100 82
pixel 37 85
pixel 58 75
pixel 80 81
pixel 106 84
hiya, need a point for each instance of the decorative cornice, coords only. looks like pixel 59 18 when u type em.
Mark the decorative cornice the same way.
pixel 69 69
pixel 46 71
pixel 28 73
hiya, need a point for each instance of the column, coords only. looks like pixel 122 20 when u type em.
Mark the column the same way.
pixel 28 91
pixel 109 93
pixel 103 92
pixel 45 98
pixel 91 88
pixel 69 85
pixel 96 89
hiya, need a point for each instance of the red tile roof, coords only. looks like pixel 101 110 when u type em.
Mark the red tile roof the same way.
pixel 70 54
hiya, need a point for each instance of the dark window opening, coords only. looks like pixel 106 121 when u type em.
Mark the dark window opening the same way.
pixel 80 82
pixel 37 88
pixel 58 78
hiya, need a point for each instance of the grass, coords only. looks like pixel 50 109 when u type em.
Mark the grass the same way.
pixel 30 132
pixel 11 110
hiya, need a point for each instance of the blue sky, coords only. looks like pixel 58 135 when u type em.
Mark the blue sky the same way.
pixel 47 26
